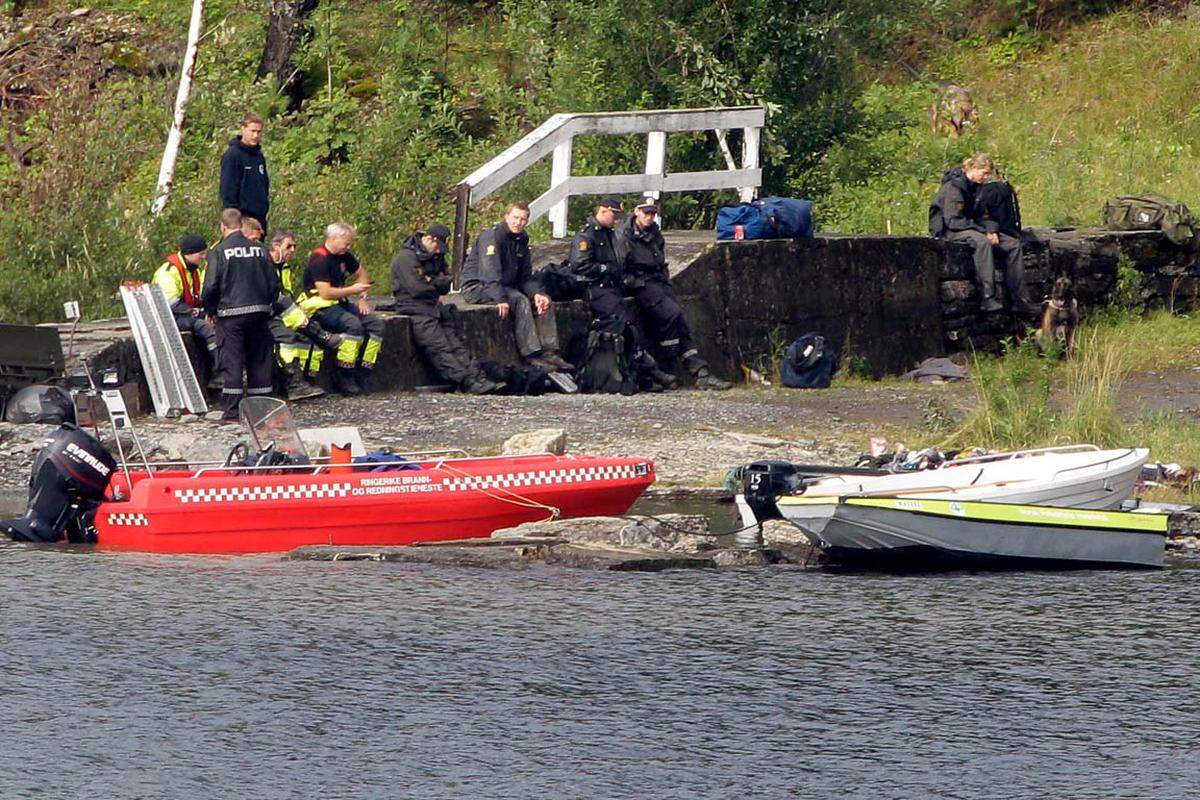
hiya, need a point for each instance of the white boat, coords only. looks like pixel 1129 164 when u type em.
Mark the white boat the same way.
pixel 1075 476
pixel 902 533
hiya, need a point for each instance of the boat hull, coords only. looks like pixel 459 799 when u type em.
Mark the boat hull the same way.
pixel 220 512
pixel 904 533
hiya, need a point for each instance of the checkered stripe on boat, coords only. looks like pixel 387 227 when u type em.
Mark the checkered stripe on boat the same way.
pixel 233 494
pixel 138 520
pixel 546 477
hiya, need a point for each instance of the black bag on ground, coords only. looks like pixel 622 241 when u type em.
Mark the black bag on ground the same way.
pixel 808 363
pixel 997 202
pixel 47 405
pixel 605 366
pixel 519 379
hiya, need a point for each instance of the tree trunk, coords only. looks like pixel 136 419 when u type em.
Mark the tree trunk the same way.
pixel 166 173
pixel 285 32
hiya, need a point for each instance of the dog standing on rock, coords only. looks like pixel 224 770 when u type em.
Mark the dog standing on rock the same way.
pixel 953 110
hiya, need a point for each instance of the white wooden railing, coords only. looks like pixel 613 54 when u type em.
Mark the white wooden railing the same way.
pixel 555 136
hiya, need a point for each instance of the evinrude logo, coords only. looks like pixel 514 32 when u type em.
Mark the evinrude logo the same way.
pixel 243 252
pixel 87 458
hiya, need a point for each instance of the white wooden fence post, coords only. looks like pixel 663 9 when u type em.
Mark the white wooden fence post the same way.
pixel 750 138
pixel 560 172
pixel 166 173
pixel 656 156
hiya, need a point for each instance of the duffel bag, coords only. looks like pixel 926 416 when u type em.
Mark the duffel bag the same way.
pixel 1151 212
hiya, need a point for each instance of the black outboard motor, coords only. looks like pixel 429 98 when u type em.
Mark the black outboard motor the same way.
pixel 67 485
pixel 763 482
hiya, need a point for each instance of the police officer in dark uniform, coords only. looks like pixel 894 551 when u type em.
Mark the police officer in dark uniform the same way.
pixel 240 288
pixel 419 279
pixel 596 260
pixel 499 272
pixel 647 279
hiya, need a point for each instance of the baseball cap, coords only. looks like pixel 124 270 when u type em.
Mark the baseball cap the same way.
pixel 439 232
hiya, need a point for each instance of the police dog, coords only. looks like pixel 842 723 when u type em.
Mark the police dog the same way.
pixel 1060 317
pixel 953 110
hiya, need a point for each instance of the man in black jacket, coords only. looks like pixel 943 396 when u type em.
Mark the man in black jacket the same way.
pixel 419 279
pixel 240 288
pixel 952 217
pixel 245 184
pixel 647 279
pixel 499 272
pixel 595 259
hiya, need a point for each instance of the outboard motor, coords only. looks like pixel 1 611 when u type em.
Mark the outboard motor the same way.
pixel 763 482
pixel 67 485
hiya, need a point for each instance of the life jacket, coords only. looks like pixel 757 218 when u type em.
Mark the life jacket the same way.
pixel 184 282
pixel 311 301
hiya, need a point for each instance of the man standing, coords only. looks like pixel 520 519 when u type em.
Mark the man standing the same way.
pixel 239 290
pixel 648 281
pixel 181 277
pixel 419 279
pixel 952 217
pixel 245 184
pixel 499 272
pixel 335 295
pixel 594 259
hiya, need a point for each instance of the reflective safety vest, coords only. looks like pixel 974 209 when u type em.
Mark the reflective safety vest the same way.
pixel 178 282
pixel 311 301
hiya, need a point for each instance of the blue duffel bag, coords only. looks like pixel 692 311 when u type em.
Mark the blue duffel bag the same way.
pixel 768 218
pixel 809 363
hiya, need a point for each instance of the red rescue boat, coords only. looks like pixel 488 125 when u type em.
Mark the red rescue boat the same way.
pixel 218 510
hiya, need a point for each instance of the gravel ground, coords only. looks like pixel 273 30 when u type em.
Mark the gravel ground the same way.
pixel 692 436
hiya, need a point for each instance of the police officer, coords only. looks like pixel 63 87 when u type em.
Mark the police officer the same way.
pixel 647 279
pixel 181 277
pixel 499 272
pixel 419 279
pixel 239 290
pixel 952 217
pixel 594 258
pixel 335 295
pixel 300 343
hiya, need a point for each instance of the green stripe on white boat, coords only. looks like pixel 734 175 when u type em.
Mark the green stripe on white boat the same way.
pixel 1027 515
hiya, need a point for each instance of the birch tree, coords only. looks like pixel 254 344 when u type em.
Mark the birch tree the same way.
pixel 166 173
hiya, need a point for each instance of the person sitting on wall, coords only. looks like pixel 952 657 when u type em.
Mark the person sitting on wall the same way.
pixel 953 217
pixel 335 295
pixel 419 279
pixel 499 272
pixel 181 278
pixel 647 279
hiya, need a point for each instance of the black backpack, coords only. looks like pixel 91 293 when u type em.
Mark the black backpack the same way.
pixel 560 283
pixel 607 366
pixel 808 363
pixel 997 201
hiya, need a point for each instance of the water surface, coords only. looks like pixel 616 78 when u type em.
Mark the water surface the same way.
pixel 148 676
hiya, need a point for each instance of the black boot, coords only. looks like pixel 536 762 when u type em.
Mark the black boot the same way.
pixel 298 388
pixel 344 382
pixel 707 381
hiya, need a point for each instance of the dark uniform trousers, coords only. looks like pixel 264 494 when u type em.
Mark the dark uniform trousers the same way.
pixel 667 326
pixel 205 335
pixel 531 336
pixel 607 305
pixel 985 263
pixel 437 336
pixel 245 344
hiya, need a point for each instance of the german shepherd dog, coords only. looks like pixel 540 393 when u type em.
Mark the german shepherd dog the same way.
pixel 1060 317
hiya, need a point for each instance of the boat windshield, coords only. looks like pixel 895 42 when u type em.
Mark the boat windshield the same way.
pixel 270 422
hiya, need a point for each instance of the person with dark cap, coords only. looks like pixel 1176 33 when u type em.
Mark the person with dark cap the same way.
pixel 240 289
pixel 647 279
pixel 499 272
pixel 419 279
pixel 595 259
pixel 245 183
pixel 181 278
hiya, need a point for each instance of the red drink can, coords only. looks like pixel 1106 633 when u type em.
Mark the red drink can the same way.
pixel 739 232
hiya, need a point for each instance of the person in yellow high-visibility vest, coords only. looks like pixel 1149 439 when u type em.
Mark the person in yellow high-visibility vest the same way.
pixel 335 295
pixel 181 277
pixel 300 343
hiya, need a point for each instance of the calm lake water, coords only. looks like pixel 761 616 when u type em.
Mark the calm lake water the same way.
pixel 143 676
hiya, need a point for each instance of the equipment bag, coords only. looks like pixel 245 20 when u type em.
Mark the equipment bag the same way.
pixel 560 283
pixel 1152 212
pixel 607 367
pixel 768 218
pixel 808 363
pixel 997 202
